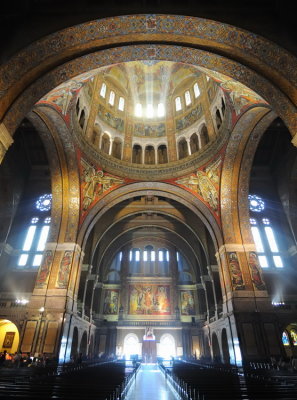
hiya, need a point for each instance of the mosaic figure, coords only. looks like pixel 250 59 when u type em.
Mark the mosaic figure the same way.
pixel 236 274
pixel 256 271
pixel 187 302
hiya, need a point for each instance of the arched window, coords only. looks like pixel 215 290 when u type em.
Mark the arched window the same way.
pixel 223 106
pixel 218 119
pixel 161 110
pixel 293 334
pixel 196 90
pixel 149 260
pixel 134 261
pixel 188 99
pixel 138 110
pixel 285 338
pixel 194 143
pixel 121 103
pixel 111 98
pixel 162 154
pixel 163 262
pixel 263 234
pixel 149 111
pixel 137 154
pixel 82 119
pixel 37 233
pixel 105 143
pixel 77 107
pixel 178 105
pixel 183 149
pixel 204 135
pixel 149 155
pixel 103 90
pixel 117 148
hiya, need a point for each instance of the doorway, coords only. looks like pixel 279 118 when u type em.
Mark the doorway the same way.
pixel 149 351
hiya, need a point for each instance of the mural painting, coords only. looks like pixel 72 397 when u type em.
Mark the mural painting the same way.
pixel 205 183
pixel 111 302
pixel 156 130
pixel 187 302
pixel 149 299
pixel 115 122
pixel 8 340
pixel 235 271
pixel 60 96
pixel 44 269
pixel 189 118
pixel 64 270
pixel 255 270
pixel 95 183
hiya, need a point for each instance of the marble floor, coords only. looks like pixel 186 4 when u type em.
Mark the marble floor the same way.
pixel 150 384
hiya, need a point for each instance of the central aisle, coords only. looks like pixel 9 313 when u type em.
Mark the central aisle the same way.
pixel 150 385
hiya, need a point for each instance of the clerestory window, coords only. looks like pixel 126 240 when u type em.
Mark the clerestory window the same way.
pixel 37 233
pixel 263 234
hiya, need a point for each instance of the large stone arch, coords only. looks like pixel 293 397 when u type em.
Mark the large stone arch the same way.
pixel 66 197
pixel 248 58
pixel 151 188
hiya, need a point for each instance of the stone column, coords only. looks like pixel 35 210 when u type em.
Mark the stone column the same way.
pixel 128 138
pixel 53 299
pixel 206 106
pixel 110 146
pixel 189 146
pixel 93 107
pixel 170 132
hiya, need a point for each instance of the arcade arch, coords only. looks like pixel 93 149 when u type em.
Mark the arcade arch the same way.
pixel 9 336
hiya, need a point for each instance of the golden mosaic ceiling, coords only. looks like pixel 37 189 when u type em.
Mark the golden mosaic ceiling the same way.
pixel 151 82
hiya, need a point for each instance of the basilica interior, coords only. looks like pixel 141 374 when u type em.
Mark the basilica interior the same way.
pixel 148 188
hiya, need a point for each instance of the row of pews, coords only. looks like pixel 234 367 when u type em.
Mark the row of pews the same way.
pixel 194 381
pixel 104 381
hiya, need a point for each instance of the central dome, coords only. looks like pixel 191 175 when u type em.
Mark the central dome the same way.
pixel 148 119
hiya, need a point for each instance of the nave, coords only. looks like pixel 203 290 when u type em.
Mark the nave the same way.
pixel 116 380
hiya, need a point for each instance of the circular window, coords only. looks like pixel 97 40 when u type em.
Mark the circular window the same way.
pixel 256 203
pixel 44 203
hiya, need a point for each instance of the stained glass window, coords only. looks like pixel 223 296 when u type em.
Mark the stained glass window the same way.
pixel 138 110
pixel 121 103
pixel 293 334
pixel 285 338
pixel 44 203
pixel 178 105
pixel 37 234
pixel 263 234
pixel 111 98
pixel 188 99
pixel 256 203
pixel 103 90
pixel 161 110
pixel 196 90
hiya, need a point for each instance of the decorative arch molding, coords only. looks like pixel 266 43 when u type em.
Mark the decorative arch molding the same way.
pixel 151 188
pixel 247 57
pixel 245 172
pixel 64 171
pixel 236 169
pixel 129 214
pixel 163 240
